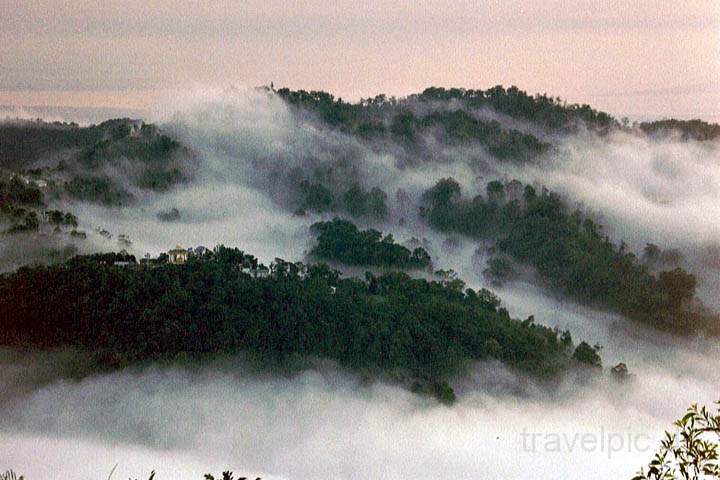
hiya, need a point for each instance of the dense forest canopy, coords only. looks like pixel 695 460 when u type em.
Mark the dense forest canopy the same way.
pixel 113 162
pixel 411 121
pixel 341 241
pixel 419 331
pixel 23 142
pixel 355 201
pixel 569 251
pixel 23 208
pixel 544 111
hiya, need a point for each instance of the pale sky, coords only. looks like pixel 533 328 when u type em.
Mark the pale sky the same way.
pixel 635 57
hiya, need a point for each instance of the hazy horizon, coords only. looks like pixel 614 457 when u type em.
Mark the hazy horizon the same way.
pixel 87 115
pixel 639 59
pixel 449 275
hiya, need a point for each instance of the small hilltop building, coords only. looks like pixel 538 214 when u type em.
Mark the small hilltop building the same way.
pixel 262 272
pixel 178 255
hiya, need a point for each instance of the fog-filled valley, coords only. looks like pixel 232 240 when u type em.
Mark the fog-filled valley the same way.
pixel 605 232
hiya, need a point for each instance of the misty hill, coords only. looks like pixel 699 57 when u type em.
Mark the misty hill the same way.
pixel 365 162
pixel 420 332
pixel 416 122
pixel 47 167
pixel 686 129
pixel 456 110
pixel 101 163
pixel 570 252
pixel 23 142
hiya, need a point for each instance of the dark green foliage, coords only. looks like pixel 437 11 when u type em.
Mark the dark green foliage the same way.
pixel 19 200
pixel 412 328
pixel 499 270
pixel 332 111
pixel 441 390
pixel 135 152
pixel 493 348
pixel 461 127
pixel 651 253
pixel 444 209
pixel 687 129
pixel 115 142
pixel 57 217
pixel 110 258
pixel 98 190
pixel 369 117
pixel 22 142
pixel 404 126
pixel 154 160
pixel 341 241
pixel 360 203
pixel 16 192
pixel 678 286
pixel 569 251
pixel 691 452
pixel 317 197
pixel 156 149
pixel 356 201
pixel 70 219
pixel 369 130
pixel 588 355
pixel 29 223
pixel 159 179
pixel 653 256
pixel 544 111
pixel 495 191
pixel 441 197
pixel 398 120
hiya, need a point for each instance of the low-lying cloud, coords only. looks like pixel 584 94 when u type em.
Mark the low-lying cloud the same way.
pixel 324 423
pixel 187 420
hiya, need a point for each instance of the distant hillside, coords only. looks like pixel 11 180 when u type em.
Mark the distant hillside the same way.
pixel 687 129
pixel 23 142
pixel 540 110
pixel 92 162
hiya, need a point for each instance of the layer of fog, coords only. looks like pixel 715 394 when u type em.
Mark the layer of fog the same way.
pixel 225 213
pixel 326 423
pixel 664 191
pixel 254 152
pixel 186 420
pixel 81 115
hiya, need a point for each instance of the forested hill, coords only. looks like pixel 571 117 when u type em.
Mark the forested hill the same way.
pixel 368 162
pixel 545 112
pixel 453 117
pixel 570 252
pixel 509 122
pixel 685 129
pixel 86 160
pixel 417 331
